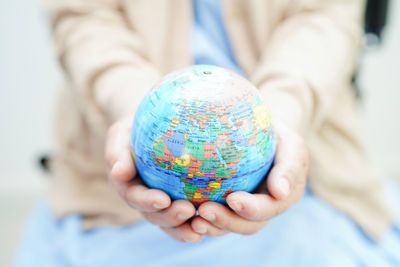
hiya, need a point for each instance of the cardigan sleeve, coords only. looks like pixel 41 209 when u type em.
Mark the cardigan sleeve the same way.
pixel 101 55
pixel 310 57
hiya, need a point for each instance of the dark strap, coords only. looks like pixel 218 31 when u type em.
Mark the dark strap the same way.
pixel 44 162
pixel 376 17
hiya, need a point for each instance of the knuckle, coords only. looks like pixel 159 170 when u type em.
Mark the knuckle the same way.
pixel 222 221
pixel 279 209
pixel 289 173
pixel 254 212
pixel 132 199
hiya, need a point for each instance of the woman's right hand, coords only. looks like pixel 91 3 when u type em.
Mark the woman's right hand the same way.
pixel 155 205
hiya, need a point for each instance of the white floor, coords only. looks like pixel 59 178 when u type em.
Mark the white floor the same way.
pixel 31 76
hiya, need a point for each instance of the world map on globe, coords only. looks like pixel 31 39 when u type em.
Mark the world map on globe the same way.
pixel 202 133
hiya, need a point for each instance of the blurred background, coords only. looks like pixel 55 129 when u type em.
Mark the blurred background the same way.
pixel 30 77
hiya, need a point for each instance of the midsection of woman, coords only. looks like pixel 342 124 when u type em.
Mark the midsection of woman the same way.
pixel 309 234
pixel 300 54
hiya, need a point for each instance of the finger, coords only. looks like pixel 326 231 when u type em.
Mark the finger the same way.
pixel 226 219
pixel 178 213
pixel 290 165
pixel 139 196
pixel 124 169
pixel 183 233
pixel 118 151
pixel 203 227
pixel 261 207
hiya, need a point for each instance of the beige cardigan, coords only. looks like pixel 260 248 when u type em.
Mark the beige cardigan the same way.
pixel 300 54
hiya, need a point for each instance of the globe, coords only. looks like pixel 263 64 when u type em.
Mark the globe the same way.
pixel 202 133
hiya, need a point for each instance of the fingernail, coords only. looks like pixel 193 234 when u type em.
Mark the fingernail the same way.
pixel 283 186
pixel 116 168
pixel 209 217
pixel 236 205
pixel 157 206
pixel 201 231
pixel 181 217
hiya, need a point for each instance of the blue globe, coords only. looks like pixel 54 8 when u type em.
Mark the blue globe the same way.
pixel 202 133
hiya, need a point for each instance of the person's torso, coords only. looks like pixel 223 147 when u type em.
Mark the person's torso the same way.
pixel 249 26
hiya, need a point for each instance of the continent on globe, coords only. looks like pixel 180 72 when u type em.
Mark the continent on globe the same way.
pixel 202 133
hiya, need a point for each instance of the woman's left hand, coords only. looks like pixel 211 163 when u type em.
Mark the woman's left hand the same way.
pixel 249 213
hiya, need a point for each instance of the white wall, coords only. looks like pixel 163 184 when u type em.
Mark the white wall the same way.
pixel 380 82
pixel 28 82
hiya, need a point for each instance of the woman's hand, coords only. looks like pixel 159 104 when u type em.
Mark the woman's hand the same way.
pixel 284 186
pixel 248 213
pixel 155 205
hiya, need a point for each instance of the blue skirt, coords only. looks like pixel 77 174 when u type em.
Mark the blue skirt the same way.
pixel 311 233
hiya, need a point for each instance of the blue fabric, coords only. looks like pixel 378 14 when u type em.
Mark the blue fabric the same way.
pixel 210 40
pixel 311 233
